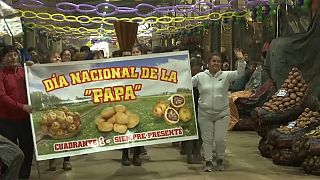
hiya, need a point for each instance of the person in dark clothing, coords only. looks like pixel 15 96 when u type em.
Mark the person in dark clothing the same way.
pixel 11 159
pixel 137 50
pixel 192 148
pixel 14 110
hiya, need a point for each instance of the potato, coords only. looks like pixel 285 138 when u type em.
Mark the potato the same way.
pixel 108 112
pixel 121 118
pixel 286 104
pixel 112 119
pixel 292 102
pixel 300 94
pixel 300 85
pixel 286 99
pixel 296 74
pixel 99 120
pixel 279 98
pixel 119 128
pixel 294 69
pixel 134 120
pixel 293 96
pixel 105 127
pixel 298 78
pixel 298 99
pixel 288 81
pixel 290 86
pixel 296 89
pixel 120 108
pixel 294 81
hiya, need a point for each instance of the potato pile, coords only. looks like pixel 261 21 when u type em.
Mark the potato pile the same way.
pixel 61 123
pixel 311 165
pixel 302 145
pixel 117 119
pixel 306 119
pixel 295 88
pixel 174 111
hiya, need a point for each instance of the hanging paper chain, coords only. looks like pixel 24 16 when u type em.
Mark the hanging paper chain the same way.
pixel 200 8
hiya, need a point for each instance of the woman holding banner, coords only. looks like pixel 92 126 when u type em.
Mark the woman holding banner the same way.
pixel 213 117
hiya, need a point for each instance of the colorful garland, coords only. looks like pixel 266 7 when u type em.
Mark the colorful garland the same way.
pixel 57 17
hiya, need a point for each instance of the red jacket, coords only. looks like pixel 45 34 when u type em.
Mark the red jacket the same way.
pixel 13 94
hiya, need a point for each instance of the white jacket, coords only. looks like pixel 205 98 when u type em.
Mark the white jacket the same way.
pixel 213 89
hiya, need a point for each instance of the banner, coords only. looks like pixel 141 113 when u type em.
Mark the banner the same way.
pixel 92 106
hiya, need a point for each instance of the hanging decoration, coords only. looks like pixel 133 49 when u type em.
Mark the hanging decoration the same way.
pixel 57 17
pixel 108 9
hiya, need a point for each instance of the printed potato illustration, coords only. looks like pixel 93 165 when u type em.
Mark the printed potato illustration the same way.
pixel 108 112
pixel 159 109
pixel 173 113
pixel 112 119
pixel 133 120
pixel 122 118
pixel 60 124
pixel 117 119
pixel 171 116
pixel 177 101
pixel 120 108
pixel 105 126
pixel 119 128
pixel 185 114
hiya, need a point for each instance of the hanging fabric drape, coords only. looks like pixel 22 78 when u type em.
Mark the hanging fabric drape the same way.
pixel 126 34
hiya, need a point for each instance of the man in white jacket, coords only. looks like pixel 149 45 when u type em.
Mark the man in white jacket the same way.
pixel 213 85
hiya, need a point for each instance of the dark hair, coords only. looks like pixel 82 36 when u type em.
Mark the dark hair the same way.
pixel 157 49
pixel 140 48
pixel 63 51
pixel 38 59
pixel 195 61
pixel 214 54
pixel 72 49
pixel 8 49
pixel 31 49
pixel 84 48
pixel 117 53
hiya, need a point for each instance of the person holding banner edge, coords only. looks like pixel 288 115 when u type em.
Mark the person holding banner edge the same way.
pixel 15 122
pixel 213 117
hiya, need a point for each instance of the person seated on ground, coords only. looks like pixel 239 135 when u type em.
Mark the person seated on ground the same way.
pixel 11 159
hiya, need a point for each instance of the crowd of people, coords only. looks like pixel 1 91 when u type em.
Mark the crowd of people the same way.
pixel 208 79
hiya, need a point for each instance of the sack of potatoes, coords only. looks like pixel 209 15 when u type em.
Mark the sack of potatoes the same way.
pixel 117 118
pixel 60 124
pixel 265 148
pixel 173 111
pixel 291 94
pixel 285 157
pixel 284 136
pixel 306 119
pixel 309 144
pixel 311 165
